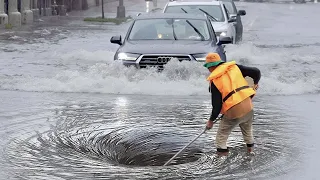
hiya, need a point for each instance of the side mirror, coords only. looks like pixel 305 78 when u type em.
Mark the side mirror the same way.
pixel 242 12
pixel 224 40
pixel 232 19
pixel 116 40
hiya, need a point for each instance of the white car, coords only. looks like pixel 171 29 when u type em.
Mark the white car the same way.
pixel 222 23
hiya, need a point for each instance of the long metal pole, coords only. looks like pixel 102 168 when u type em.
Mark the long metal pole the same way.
pixel 191 142
pixel 185 147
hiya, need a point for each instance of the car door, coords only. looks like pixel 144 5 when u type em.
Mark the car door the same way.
pixel 239 26
pixel 232 25
pixel 232 10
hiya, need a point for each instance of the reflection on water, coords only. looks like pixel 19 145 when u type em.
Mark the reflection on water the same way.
pixel 109 136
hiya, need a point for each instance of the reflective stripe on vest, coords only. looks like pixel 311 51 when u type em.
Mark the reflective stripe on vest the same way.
pixel 233 87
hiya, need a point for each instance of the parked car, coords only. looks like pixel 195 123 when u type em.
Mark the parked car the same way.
pixel 222 22
pixel 234 13
pixel 155 39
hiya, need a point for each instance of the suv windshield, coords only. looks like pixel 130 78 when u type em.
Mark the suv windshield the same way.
pixel 170 29
pixel 213 10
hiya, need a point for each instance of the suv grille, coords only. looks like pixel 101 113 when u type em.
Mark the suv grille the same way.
pixel 159 60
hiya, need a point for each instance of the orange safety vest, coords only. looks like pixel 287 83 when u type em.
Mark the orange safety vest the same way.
pixel 234 88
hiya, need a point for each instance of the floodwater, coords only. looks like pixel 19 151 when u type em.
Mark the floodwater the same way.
pixel 69 112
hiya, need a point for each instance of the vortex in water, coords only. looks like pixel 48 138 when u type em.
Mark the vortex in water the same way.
pixel 145 147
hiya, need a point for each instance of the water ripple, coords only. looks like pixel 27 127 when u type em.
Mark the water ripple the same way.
pixel 94 140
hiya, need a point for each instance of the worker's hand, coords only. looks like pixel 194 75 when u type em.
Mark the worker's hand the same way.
pixel 255 87
pixel 209 124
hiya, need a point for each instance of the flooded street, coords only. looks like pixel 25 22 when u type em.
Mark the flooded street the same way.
pixel 69 111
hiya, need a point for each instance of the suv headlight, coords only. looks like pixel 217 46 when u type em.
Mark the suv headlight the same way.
pixel 128 56
pixel 200 57
pixel 223 33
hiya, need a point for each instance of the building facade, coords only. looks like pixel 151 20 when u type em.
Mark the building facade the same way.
pixel 18 12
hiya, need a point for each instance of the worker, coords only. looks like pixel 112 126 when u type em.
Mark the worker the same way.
pixel 232 97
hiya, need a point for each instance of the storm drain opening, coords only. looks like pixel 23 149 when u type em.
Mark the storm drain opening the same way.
pixel 147 148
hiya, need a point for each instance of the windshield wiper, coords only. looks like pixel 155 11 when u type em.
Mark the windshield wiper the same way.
pixel 173 32
pixel 215 19
pixel 196 30
pixel 184 10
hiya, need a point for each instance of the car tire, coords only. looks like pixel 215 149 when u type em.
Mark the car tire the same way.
pixel 224 56
pixel 234 40
pixel 239 40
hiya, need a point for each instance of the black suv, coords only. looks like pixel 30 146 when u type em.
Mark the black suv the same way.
pixel 155 39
